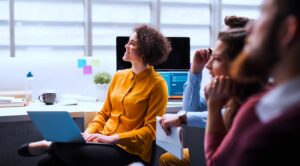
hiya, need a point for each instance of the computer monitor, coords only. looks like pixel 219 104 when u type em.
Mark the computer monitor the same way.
pixel 178 60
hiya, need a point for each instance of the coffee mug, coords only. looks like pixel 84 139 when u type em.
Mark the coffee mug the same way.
pixel 47 98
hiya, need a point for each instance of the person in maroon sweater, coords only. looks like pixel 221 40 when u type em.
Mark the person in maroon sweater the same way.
pixel 272 133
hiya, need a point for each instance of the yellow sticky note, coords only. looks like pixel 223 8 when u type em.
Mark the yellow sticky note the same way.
pixel 95 62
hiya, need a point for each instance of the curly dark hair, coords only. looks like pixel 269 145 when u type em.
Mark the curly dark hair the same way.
pixel 153 47
pixel 236 21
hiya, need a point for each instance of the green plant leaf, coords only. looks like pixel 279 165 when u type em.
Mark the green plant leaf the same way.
pixel 102 78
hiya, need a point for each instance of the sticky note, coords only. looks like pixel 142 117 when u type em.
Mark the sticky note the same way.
pixel 87 70
pixel 95 62
pixel 81 63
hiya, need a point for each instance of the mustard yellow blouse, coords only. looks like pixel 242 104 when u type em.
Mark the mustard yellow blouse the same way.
pixel 132 103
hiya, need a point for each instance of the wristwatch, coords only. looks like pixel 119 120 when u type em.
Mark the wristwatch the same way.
pixel 182 117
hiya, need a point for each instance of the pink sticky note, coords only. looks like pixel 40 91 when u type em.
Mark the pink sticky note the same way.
pixel 87 70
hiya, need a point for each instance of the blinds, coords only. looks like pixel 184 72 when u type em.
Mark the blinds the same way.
pixel 58 27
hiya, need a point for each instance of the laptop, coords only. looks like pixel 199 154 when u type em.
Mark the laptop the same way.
pixel 56 126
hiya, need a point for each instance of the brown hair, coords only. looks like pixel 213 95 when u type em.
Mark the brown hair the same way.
pixel 236 21
pixel 242 92
pixel 234 41
pixel 153 47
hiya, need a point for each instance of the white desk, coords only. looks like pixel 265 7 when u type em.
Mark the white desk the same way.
pixel 17 129
pixel 11 114
pixel 20 113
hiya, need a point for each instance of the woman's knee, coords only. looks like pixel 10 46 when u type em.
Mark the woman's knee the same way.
pixel 167 159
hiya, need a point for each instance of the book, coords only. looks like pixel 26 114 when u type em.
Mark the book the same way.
pixel 16 94
pixel 172 143
pixel 5 99
pixel 13 102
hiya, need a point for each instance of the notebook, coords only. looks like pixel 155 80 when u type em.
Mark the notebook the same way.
pixel 56 126
pixel 172 143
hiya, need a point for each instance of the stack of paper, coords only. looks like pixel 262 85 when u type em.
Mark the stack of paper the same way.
pixel 67 102
pixel 11 102
pixel 17 94
pixel 171 143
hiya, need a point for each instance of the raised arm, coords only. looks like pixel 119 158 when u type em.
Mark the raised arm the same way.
pixel 192 101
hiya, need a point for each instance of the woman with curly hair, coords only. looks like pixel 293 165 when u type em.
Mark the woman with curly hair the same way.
pixel 126 123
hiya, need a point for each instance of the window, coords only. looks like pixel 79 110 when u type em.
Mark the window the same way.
pixel 61 28
pixel 187 18
pixel 4 28
pixel 246 8
pixel 49 28
pixel 112 18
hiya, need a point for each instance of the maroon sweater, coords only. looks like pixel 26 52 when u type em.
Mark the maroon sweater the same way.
pixel 274 143
pixel 219 147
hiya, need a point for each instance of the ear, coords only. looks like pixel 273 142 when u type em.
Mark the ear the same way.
pixel 290 30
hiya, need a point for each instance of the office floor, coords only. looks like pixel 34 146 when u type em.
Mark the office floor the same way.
pixel 14 134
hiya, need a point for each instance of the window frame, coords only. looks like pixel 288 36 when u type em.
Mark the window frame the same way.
pixel 216 8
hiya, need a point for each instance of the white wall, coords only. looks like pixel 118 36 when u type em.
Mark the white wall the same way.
pixel 59 74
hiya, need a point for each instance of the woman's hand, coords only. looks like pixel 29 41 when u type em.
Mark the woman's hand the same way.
pixel 201 57
pixel 96 137
pixel 169 120
pixel 219 92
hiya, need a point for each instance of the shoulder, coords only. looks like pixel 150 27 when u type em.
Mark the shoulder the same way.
pixel 271 141
pixel 119 75
pixel 157 78
pixel 287 124
pixel 155 83
pixel 122 72
pixel 288 119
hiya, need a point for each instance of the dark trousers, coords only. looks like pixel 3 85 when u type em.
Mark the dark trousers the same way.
pixel 87 155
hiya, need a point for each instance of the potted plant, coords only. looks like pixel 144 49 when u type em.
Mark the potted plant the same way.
pixel 102 80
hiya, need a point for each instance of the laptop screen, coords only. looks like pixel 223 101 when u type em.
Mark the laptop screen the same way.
pixel 56 126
